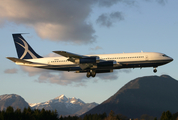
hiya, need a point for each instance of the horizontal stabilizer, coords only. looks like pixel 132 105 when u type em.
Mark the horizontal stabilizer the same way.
pixel 26 63
pixel 16 60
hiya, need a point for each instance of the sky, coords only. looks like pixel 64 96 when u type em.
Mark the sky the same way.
pixel 84 27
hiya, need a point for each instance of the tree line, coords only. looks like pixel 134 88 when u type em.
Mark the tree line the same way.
pixel 169 116
pixel 30 114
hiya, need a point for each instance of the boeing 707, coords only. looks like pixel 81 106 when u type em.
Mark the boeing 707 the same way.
pixel 89 64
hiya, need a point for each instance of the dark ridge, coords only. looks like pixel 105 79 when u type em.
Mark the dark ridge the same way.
pixel 149 95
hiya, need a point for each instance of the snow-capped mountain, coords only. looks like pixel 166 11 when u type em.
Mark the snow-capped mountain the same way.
pixel 65 106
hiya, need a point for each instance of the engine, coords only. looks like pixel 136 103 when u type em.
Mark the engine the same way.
pixel 107 64
pixel 97 71
pixel 93 59
pixel 103 71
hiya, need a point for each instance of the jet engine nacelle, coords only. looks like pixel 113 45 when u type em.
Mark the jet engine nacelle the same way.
pixel 93 59
pixel 97 71
pixel 108 64
pixel 104 71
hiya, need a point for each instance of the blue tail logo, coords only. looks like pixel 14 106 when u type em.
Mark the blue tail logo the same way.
pixel 24 50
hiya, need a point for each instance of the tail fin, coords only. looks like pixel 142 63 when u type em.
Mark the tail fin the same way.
pixel 24 51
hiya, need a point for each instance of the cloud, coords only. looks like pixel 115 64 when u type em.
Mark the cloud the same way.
pixel 55 77
pixel 125 71
pixel 52 55
pixel 109 76
pixel 65 78
pixel 57 20
pixel 107 20
pixel 61 20
pixel 162 2
pixel 109 3
pixel 11 71
pixel 32 71
pixel 96 48
pixel 113 75
pixel 62 78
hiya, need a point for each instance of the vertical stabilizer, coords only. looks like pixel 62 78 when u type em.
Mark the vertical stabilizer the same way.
pixel 24 50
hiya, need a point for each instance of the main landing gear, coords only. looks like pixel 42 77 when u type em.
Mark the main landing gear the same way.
pixel 91 73
pixel 155 70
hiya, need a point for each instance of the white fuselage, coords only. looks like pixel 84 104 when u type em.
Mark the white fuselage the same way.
pixel 126 60
pixel 91 64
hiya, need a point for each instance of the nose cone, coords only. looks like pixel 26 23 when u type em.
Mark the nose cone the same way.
pixel 171 59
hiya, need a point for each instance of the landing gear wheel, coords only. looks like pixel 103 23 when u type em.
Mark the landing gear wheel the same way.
pixel 93 73
pixel 88 74
pixel 155 70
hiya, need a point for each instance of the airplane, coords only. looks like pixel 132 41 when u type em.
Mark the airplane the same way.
pixel 89 64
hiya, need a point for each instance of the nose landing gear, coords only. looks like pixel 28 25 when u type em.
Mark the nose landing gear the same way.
pixel 155 70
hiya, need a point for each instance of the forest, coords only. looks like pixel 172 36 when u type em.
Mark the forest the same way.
pixel 30 114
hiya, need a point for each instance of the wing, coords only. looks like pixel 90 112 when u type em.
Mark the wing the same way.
pixel 68 54
pixel 87 62
pixel 83 61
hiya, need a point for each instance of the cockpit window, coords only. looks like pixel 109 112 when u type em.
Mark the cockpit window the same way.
pixel 165 55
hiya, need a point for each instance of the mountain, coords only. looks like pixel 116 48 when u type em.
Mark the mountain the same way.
pixel 65 106
pixel 149 95
pixel 13 100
